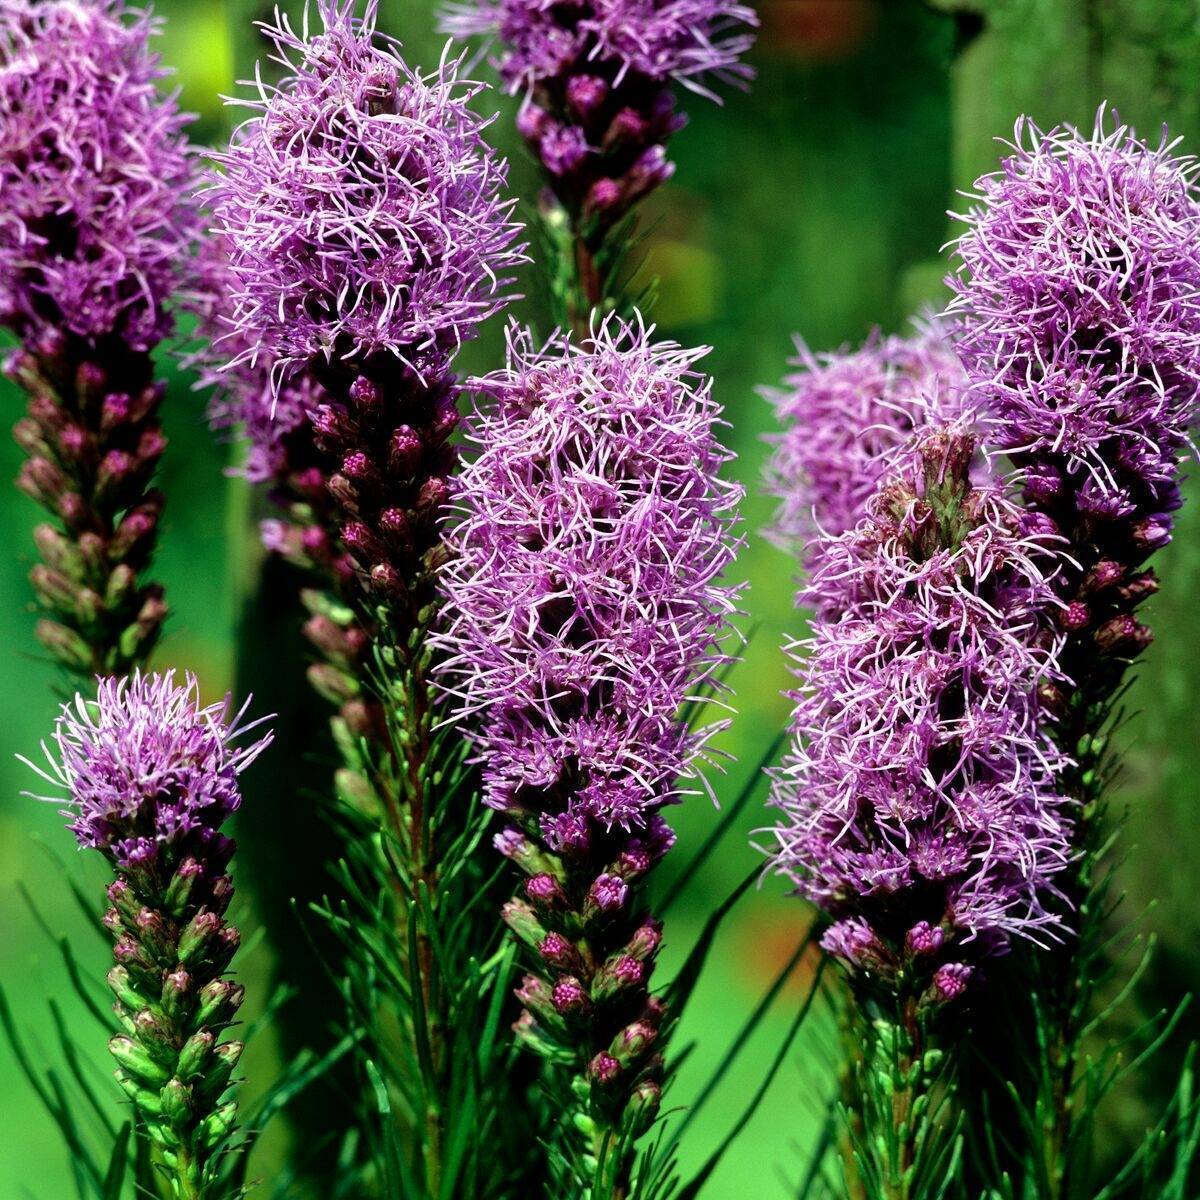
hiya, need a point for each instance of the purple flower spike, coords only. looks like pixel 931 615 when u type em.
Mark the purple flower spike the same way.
pixel 98 226
pixel 152 776
pixel 585 602
pixel 361 205
pixel 919 798
pixel 1077 314
pixel 585 611
pixel 598 79
pixel 366 238
pixel 845 416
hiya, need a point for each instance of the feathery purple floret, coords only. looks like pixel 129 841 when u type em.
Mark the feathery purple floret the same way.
pixel 1078 312
pixel 919 798
pixel 99 213
pixel 361 204
pixel 845 416
pixel 268 414
pixel 687 41
pixel 149 768
pixel 246 395
pixel 585 602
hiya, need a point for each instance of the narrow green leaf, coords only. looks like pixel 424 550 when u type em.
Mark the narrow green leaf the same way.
pixel 71 1054
pixel 114 1177
pixel 747 1030
pixel 681 987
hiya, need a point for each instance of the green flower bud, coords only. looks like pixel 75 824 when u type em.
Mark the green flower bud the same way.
pixel 218 1002
pixel 216 1127
pixel 196 937
pixel 523 921
pixel 193 1058
pixel 122 987
pixel 147 1101
pixel 176 1099
pixel 137 1061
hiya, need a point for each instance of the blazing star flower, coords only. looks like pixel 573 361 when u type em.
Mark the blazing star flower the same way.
pixel 361 205
pixel 97 229
pixel 152 775
pixel 99 212
pixel 366 240
pixel 584 575
pixel 845 415
pixel 919 799
pixel 584 612
pixel 597 79
pixel 1077 314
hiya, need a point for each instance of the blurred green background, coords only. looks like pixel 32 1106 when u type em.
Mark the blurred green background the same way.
pixel 815 204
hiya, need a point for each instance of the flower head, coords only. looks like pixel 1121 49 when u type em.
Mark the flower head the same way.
pixel 147 766
pixel 920 791
pixel 361 204
pixel 1078 308
pixel 585 602
pixel 99 212
pixel 845 415
pixel 685 41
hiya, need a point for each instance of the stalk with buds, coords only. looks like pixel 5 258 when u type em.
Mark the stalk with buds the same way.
pixel 151 776
pixel 367 237
pixel 585 610
pixel 598 85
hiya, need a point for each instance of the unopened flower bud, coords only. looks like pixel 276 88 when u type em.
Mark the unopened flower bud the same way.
pixel 950 981
pixel 646 939
pixel 545 891
pixel 197 937
pixel 923 938
pixel 1152 533
pixel 137 1061
pixel 586 93
pixel 523 921
pixel 365 395
pixel 569 997
pixel 643 1105
pixel 604 1068
pixel 557 952
pixel 1123 636
pixel 1075 616
pixel 608 893
pixel 620 973
pixel 404 450
pixel 531 121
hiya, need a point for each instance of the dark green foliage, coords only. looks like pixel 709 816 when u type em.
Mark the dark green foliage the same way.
pixel 420 962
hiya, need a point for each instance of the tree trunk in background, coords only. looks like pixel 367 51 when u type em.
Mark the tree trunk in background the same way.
pixel 1057 60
